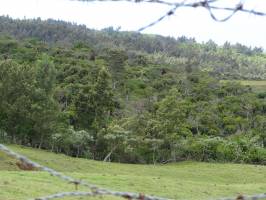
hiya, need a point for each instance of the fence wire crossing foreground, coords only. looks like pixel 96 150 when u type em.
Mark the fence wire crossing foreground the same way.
pixel 95 190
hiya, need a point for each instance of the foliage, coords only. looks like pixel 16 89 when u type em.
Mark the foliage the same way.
pixel 128 97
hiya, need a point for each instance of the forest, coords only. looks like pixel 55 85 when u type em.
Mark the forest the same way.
pixel 129 97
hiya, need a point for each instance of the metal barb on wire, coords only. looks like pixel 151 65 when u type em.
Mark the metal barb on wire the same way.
pixel 169 13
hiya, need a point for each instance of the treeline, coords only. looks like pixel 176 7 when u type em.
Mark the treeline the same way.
pixel 229 61
pixel 99 100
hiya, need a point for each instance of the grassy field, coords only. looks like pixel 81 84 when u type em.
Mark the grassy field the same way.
pixel 257 86
pixel 184 180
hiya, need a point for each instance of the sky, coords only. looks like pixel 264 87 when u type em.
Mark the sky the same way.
pixel 243 28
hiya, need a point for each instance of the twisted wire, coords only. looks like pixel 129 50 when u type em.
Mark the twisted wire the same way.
pixel 95 190
pixel 207 4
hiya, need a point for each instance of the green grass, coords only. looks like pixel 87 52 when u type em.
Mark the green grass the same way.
pixel 184 180
pixel 256 85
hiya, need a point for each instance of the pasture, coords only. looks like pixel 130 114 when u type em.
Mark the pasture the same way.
pixel 183 180
pixel 256 85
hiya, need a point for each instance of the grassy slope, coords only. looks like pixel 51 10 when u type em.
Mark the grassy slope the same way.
pixel 185 180
pixel 257 85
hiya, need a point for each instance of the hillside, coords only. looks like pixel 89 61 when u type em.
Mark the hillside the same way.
pixel 184 180
pixel 229 61
pixel 128 97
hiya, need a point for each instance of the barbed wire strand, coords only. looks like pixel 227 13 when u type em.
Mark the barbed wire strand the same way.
pixel 239 6
pixel 208 4
pixel 95 190
pixel 169 13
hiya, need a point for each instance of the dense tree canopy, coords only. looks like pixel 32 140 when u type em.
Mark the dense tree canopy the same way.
pixel 128 97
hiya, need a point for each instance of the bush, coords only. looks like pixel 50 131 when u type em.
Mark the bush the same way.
pixel 240 149
pixel 256 155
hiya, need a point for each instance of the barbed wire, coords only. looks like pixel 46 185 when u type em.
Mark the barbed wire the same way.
pixel 242 197
pixel 95 190
pixel 207 4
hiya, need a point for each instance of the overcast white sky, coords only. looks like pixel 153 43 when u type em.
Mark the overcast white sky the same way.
pixel 191 22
